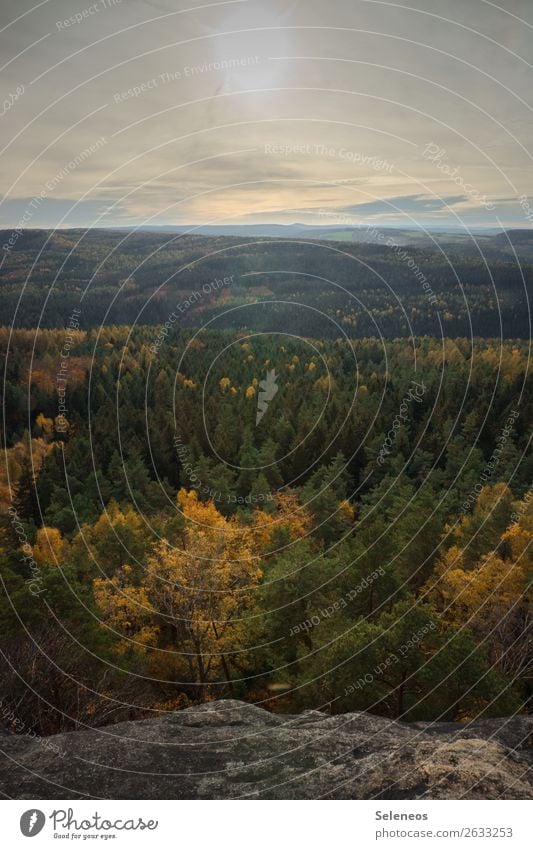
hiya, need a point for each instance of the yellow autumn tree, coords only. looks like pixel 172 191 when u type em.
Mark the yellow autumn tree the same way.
pixel 289 519
pixel 50 549
pixel 188 608
pixel 492 597
pixel 117 538
pixel 125 607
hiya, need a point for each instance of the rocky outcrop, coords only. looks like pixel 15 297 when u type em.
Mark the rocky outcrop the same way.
pixel 232 750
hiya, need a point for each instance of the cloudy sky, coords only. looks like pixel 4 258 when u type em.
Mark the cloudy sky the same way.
pixel 249 111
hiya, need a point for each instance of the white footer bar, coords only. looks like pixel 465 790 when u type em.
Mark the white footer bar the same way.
pixel 266 824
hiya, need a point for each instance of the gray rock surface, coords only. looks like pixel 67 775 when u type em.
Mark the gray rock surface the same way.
pixel 232 750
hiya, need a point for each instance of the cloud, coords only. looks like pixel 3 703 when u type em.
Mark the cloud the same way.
pixel 376 80
pixel 404 204
pixel 54 212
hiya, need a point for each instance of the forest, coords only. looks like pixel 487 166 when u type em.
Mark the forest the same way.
pixel 316 288
pixel 294 520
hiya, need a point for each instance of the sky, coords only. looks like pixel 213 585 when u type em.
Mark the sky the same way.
pixel 349 112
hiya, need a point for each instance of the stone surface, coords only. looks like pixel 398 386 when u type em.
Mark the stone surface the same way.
pixel 229 749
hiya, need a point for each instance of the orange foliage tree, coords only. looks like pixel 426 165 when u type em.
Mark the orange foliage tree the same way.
pixel 187 610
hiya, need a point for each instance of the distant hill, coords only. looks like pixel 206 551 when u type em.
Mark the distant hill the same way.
pixel 458 240
pixel 393 283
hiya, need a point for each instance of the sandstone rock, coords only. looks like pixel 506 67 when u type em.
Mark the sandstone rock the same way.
pixel 229 749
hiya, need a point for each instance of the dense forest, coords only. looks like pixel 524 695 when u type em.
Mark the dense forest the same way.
pixel 293 518
pixel 321 289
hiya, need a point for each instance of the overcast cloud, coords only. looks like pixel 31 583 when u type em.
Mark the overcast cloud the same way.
pixel 266 110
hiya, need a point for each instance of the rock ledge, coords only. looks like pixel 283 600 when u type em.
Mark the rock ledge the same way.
pixel 232 750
